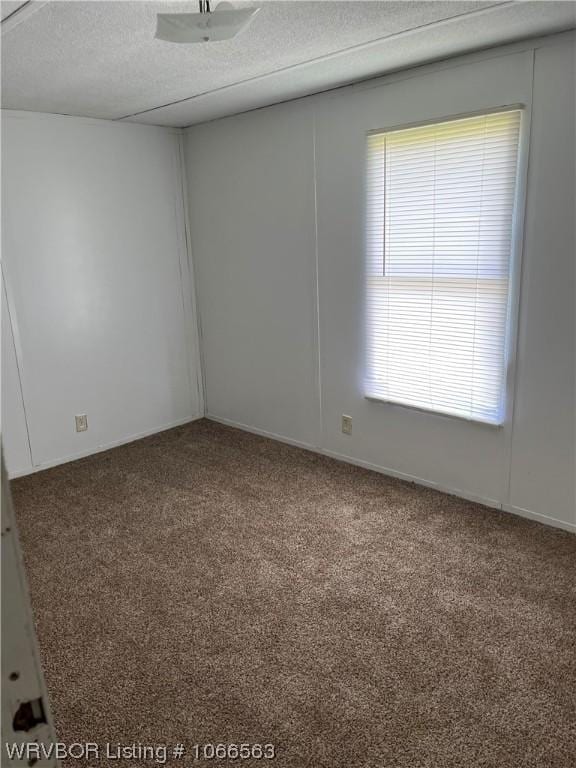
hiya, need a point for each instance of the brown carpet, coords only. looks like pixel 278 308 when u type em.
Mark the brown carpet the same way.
pixel 207 585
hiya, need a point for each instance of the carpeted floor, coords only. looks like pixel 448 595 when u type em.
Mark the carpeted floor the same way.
pixel 205 585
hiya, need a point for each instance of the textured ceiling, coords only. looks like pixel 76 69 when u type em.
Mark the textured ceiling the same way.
pixel 100 59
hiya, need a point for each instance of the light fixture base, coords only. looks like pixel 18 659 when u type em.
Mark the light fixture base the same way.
pixel 203 27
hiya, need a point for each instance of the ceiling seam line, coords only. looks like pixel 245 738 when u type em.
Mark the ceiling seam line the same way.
pixel 16 10
pixel 319 59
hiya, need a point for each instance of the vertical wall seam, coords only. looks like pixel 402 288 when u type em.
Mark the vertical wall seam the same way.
pixel 522 205
pixel 320 439
pixel 192 274
pixel 185 298
pixel 18 357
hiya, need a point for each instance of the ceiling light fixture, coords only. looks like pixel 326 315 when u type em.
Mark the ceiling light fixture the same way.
pixel 206 26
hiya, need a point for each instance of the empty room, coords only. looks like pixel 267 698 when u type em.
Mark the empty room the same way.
pixel 288 384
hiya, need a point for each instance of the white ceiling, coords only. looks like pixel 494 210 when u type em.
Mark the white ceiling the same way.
pixel 100 59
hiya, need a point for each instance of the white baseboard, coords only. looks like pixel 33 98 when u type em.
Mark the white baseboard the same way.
pixel 486 501
pixel 553 521
pixel 263 433
pixel 102 448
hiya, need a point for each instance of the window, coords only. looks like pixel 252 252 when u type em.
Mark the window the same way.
pixel 440 213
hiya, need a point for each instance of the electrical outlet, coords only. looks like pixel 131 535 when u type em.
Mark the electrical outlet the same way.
pixel 81 423
pixel 346 424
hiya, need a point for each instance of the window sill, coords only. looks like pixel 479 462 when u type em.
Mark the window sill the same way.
pixel 442 414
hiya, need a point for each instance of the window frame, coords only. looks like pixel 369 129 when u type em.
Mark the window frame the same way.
pixel 515 264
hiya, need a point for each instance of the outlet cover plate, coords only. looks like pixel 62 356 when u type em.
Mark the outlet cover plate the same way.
pixel 81 423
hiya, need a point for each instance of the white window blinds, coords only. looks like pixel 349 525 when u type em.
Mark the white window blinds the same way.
pixel 440 210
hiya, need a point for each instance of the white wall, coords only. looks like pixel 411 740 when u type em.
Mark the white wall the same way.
pixel 543 463
pixel 252 224
pixel 97 282
pixel 258 265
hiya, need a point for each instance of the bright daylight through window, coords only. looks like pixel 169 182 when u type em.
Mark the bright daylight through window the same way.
pixel 440 221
